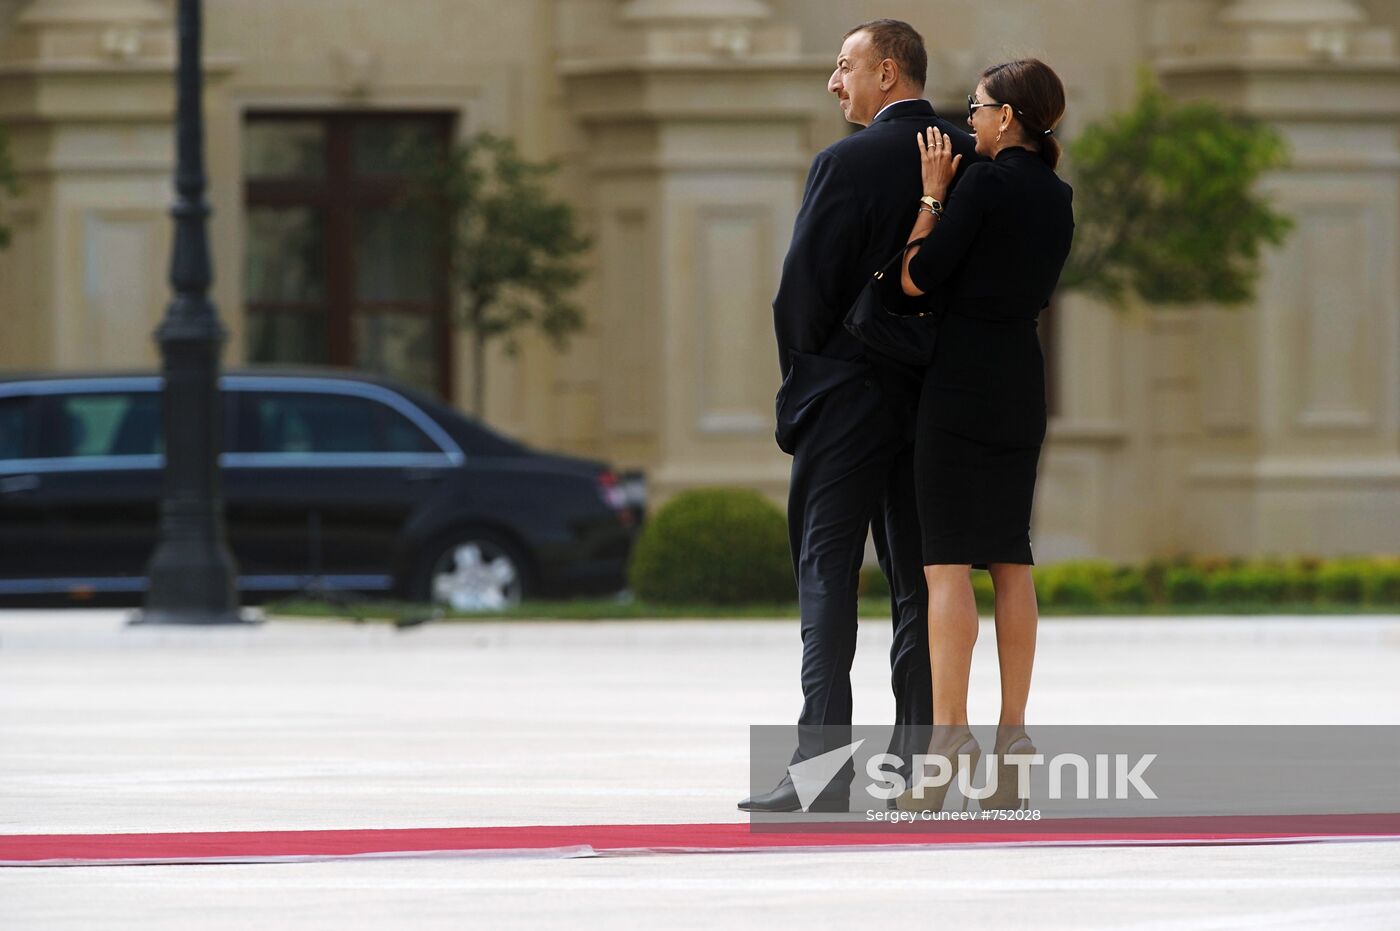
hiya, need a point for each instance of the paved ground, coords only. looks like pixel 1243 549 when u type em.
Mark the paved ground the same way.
pixel 328 725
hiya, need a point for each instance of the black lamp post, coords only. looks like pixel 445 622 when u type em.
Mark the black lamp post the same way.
pixel 192 575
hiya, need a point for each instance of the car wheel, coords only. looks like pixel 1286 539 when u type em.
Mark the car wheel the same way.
pixel 473 572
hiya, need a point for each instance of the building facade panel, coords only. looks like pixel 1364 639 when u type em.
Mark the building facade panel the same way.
pixel 684 129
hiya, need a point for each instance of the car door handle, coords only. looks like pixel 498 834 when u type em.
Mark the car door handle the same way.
pixel 18 484
pixel 422 475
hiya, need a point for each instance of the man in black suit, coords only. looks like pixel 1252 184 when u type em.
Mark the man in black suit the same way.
pixel 846 413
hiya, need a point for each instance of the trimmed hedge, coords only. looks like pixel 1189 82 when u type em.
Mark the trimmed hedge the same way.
pixel 1303 582
pixel 724 546
pixel 719 546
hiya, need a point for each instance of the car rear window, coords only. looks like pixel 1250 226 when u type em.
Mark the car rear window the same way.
pixel 107 424
pixel 306 422
pixel 17 428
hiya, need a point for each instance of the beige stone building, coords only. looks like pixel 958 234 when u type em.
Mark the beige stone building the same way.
pixel 686 128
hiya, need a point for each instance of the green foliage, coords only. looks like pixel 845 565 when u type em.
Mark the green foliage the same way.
pixel 873 584
pixel 1201 583
pixel 1127 586
pixel 1185 585
pixel 1381 582
pixel 875 588
pixel 1073 584
pixel 983 591
pixel 1165 203
pixel 1341 581
pixel 513 247
pixel 1255 584
pixel 9 181
pixel 714 546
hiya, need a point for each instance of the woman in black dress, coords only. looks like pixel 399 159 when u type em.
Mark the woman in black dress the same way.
pixel 995 253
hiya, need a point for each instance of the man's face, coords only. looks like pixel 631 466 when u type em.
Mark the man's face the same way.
pixel 856 80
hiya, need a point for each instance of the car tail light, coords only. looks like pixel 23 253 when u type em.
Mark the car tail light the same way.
pixel 614 494
pixel 626 494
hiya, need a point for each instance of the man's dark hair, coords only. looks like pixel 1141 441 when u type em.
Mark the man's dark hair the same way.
pixel 897 40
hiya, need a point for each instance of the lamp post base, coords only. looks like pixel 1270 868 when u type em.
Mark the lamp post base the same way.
pixel 193 618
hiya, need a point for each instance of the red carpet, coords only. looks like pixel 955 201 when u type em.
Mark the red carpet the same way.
pixel 633 839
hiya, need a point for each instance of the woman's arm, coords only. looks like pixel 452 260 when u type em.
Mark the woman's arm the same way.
pixel 938 166
pixel 931 264
pixel 924 225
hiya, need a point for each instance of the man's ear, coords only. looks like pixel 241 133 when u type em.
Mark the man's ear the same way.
pixel 889 73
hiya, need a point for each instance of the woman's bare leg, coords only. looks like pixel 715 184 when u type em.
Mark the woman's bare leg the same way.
pixel 1016 617
pixel 952 632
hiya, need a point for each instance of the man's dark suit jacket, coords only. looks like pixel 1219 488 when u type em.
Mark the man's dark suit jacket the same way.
pixel 861 200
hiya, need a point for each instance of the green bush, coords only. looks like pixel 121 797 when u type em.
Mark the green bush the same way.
pixel 1167 205
pixel 873 584
pixel 1302 578
pixel 1154 575
pixel 1128 586
pixel 875 587
pixel 1341 581
pixel 1198 580
pixel 1259 583
pixel 1074 584
pixel 1185 585
pixel 1381 585
pixel 714 546
pixel 982 590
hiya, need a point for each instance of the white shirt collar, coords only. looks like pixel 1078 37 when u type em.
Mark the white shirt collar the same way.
pixel 892 103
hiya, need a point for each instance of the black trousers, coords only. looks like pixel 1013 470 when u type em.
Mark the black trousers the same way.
pixel 853 472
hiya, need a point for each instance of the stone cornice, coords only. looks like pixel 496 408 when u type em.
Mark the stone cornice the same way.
pixel 214 66
pixel 1223 64
pixel 709 66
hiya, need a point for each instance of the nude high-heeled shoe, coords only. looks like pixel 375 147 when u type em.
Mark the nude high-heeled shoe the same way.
pixel 1007 795
pixel 947 797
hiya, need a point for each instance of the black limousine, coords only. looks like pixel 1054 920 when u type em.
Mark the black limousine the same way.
pixel 331 481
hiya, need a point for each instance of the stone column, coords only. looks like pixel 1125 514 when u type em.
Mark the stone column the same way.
pixel 1299 396
pixel 87 91
pixel 697 120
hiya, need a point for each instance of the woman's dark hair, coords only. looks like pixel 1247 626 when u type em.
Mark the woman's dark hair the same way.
pixel 1034 90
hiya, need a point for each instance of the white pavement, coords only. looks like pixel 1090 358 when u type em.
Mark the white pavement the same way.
pixel 317 724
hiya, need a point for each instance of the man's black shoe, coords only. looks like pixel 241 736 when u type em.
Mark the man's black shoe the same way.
pixel 784 798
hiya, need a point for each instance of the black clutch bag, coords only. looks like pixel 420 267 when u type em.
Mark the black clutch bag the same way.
pixel 894 326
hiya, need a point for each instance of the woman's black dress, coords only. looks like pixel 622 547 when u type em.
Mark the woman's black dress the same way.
pixel 995 256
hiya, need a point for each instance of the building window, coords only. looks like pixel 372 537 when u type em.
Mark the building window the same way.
pixel 340 269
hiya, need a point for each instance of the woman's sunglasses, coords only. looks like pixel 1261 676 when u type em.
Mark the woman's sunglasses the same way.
pixel 973 106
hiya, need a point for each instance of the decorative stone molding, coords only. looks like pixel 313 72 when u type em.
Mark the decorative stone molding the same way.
pixel 1281 31
pixel 51 34
pixel 1293 13
pixel 82 12
pixel 691 11
pixel 723 29
pixel 357 71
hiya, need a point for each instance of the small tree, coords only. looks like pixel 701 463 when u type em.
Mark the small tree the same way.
pixel 1165 203
pixel 512 247
pixel 9 181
